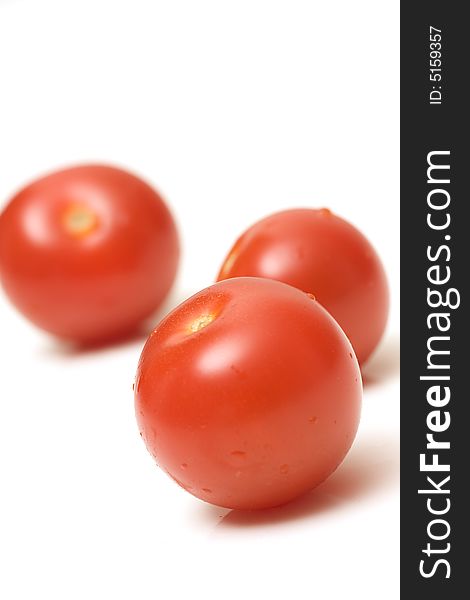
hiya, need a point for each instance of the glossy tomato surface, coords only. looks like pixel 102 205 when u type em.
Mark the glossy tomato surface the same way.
pixel 87 253
pixel 320 253
pixel 248 394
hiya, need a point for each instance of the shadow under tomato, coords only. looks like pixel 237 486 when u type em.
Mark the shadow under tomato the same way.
pixel 384 363
pixel 138 335
pixel 57 348
pixel 371 466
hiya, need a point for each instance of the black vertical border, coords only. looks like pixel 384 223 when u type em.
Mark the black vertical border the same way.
pixel 425 128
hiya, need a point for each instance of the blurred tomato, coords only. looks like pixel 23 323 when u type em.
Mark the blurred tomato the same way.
pixel 87 253
pixel 248 394
pixel 319 253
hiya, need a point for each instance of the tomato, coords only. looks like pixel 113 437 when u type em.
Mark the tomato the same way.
pixel 87 253
pixel 248 394
pixel 325 255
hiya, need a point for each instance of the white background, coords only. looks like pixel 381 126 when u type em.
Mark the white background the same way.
pixel 233 110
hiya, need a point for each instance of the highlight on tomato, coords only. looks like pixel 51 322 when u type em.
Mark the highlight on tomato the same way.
pixel 87 253
pixel 248 394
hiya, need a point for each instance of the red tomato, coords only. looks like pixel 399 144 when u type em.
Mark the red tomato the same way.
pixel 248 394
pixel 319 253
pixel 87 253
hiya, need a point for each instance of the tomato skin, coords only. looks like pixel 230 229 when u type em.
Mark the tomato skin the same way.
pixel 320 253
pixel 258 405
pixel 87 253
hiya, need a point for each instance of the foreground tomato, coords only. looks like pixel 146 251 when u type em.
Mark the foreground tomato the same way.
pixel 248 394
pixel 319 253
pixel 87 253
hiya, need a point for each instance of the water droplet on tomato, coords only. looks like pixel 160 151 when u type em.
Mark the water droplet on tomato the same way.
pixel 238 453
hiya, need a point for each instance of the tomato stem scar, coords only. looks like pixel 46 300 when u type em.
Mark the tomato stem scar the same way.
pixel 201 322
pixel 80 220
